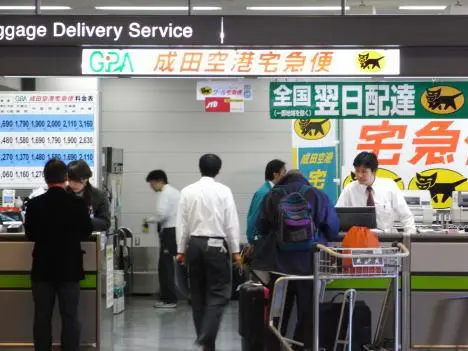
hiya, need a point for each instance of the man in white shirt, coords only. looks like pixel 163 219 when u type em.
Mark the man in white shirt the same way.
pixel 165 215
pixel 207 235
pixel 383 193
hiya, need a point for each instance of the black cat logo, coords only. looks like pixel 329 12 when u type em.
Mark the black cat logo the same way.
pixel 429 182
pixel 312 129
pixel 206 90
pixel 442 99
pixel 370 63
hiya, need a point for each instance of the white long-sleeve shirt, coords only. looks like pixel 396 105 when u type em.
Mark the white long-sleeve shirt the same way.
pixel 389 203
pixel 167 204
pixel 207 209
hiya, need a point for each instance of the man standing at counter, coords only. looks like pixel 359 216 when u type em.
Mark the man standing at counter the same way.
pixel 383 193
pixel 57 222
pixel 165 216
pixel 274 170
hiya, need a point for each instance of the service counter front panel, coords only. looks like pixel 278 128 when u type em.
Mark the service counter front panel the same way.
pixel 439 286
pixel 438 290
pixel 16 303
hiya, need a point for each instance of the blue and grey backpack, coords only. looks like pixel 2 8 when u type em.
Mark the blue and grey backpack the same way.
pixel 296 227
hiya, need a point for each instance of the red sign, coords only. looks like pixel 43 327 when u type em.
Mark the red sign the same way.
pixel 217 104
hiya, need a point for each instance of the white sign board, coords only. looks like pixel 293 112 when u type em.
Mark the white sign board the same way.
pixel 240 62
pixel 233 90
pixel 38 126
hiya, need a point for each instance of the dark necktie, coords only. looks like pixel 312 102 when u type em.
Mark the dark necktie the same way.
pixel 370 197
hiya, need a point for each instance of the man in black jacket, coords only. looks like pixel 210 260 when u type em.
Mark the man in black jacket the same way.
pixel 57 222
pixel 298 262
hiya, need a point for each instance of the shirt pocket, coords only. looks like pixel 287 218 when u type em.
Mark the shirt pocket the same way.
pixel 384 213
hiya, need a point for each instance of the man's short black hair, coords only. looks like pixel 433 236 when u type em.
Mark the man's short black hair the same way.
pixel 274 166
pixel 367 160
pixel 157 175
pixel 210 165
pixel 55 171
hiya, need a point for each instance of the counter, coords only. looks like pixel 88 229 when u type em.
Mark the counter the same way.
pixel 434 283
pixel 16 297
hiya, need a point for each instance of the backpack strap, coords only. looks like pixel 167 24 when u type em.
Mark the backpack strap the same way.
pixel 305 189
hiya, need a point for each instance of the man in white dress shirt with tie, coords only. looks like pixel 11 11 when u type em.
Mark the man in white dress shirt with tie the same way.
pixel 383 193
pixel 208 235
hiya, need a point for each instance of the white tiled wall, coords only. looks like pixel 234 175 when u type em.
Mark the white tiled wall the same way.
pixel 159 124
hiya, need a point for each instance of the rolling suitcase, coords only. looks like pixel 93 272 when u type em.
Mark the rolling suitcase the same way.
pixel 329 325
pixel 253 314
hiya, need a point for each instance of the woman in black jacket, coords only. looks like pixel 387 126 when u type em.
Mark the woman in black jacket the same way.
pixel 79 174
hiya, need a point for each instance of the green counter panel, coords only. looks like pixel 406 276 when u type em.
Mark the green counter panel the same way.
pixel 23 281
pixel 418 283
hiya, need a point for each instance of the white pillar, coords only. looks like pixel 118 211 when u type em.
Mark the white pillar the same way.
pixel 457 10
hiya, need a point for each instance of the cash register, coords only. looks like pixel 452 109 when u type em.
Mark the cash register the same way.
pixel 419 203
pixel 459 209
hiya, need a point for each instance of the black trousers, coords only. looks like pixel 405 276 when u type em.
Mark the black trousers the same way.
pixel 209 267
pixel 167 251
pixel 300 292
pixel 44 295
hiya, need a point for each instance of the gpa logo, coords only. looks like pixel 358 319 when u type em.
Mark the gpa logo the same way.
pixel 441 183
pixel 442 100
pixel 312 129
pixel 382 173
pixel 371 61
pixel 110 61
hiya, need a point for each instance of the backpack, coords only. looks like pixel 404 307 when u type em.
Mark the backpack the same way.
pixel 296 227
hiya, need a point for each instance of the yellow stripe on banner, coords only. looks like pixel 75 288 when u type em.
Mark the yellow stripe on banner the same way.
pixel 294 161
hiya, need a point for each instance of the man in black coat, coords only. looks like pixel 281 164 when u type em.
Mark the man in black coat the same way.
pixel 57 222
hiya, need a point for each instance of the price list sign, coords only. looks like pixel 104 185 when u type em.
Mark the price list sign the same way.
pixel 38 126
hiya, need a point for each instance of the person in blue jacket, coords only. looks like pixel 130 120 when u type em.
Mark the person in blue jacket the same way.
pixel 274 170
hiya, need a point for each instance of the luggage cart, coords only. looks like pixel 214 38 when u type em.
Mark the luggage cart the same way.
pixel 275 320
pixel 357 263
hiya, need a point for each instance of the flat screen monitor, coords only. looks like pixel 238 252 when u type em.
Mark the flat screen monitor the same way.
pixel 356 216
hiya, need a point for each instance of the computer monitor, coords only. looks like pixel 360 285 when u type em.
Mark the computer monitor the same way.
pixel 356 216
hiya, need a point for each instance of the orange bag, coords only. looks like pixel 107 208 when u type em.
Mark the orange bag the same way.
pixel 359 237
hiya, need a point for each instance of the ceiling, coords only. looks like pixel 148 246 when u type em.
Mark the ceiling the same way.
pixel 238 7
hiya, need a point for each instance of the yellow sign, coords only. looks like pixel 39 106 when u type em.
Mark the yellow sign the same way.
pixel 381 173
pixel 371 61
pixel 442 100
pixel 312 129
pixel 441 183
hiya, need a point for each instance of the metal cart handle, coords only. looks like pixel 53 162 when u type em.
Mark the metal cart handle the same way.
pixel 404 252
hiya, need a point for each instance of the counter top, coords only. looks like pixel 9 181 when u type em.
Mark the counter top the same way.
pixel 421 237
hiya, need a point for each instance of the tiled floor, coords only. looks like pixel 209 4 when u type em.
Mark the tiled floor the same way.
pixel 143 328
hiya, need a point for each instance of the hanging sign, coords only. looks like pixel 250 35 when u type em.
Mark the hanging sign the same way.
pixel 241 62
pixel 305 100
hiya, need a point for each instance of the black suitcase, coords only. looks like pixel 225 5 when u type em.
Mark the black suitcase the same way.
pixel 253 304
pixel 329 319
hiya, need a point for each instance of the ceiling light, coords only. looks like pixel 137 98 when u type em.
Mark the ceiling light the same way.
pixel 157 8
pixel 295 8
pixel 207 8
pixel 26 8
pixel 423 8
